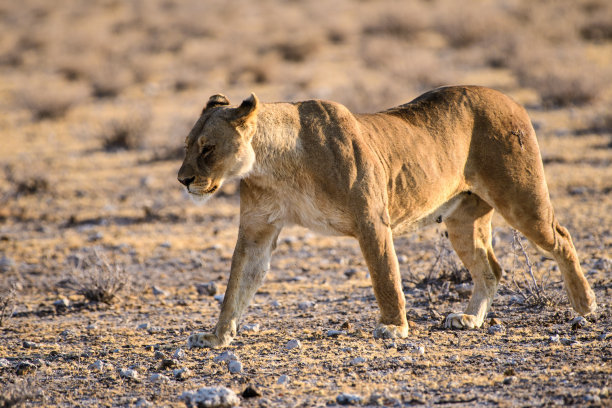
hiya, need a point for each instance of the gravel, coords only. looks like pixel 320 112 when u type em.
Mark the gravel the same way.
pixel 291 344
pixel 211 397
pixel 234 367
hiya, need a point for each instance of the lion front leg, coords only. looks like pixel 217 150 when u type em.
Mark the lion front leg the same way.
pixel 250 262
pixel 376 242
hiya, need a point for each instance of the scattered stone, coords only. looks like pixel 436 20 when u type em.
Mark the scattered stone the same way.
pixel 234 367
pixel 391 345
pixel 348 399
pixel 143 326
pixel 142 403
pixel 306 305
pixel 168 363
pixel 159 355
pixel 291 344
pixel 578 322
pixel 6 264
pixel 129 373
pixel 335 333
pixel 494 321
pixel 403 259
pixel 420 350
pixel 226 356
pixel 92 326
pixel 509 380
pixel 25 367
pixel 357 361
pixel 4 363
pixel 97 236
pixel 159 378
pixel 158 292
pixel 219 298
pixel 179 354
pixel 283 380
pixel 100 365
pixel 166 244
pixel 464 289
pixel 250 328
pixel 61 304
pixel 30 344
pixel 554 338
pixel 346 326
pixel 454 358
pixel 67 333
pixel 570 342
pixel 604 336
pixel 349 273
pixel 209 289
pixel 496 329
pixel 275 303
pixel 182 374
pixel 250 392
pixel 211 397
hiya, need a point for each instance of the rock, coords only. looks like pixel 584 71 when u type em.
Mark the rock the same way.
pixel 275 303
pixel 92 326
pixel 291 344
pixel 100 365
pixel 349 273
pixel 166 244
pixel 496 329
pixel 142 403
pixel 604 335
pixel 494 321
pixel 61 304
pixel 509 380
pixel 554 338
pixel 226 356
pixel 129 373
pixel 234 367
pixel 357 361
pixel 158 292
pixel 96 236
pixel 306 305
pixel 570 342
pixel 179 354
pixel 283 380
pixel 6 264
pixel 420 350
pixel 67 333
pixel 250 392
pixel 335 333
pixel 219 298
pixel 348 399
pixel 4 363
pixel 209 289
pixel 159 378
pixel 143 326
pixel 30 344
pixel 168 363
pixel 346 326
pixel 159 355
pixel 25 367
pixel 578 322
pixel 403 259
pixel 182 374
pixel 211 397
pixel 250 328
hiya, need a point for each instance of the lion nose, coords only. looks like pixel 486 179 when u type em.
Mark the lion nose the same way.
pixel 186 181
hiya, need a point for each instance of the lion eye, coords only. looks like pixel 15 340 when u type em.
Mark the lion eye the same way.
pixel 206 150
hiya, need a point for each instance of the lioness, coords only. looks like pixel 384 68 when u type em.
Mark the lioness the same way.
pixel 452 155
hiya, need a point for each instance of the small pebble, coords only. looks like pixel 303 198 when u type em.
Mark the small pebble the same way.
pixel 159 378
pixel 129 373
pixel 291 344
pixel 234 367
pixel 509 380
pixel 143 326
pixel 604 336
pixel 225 356
pixel 464 289
pixel 100 365
pixel 30 344
pixel 92 326
pixel 166 245
pixel 24 368
pixel 275 303
pixel 142 403
pixel 570 342
pixel 357 361
pixel 96 237
pixel 178 354
pixel 349 273
pixel 335 333
pixel 6 264
pixel 211 397
pixel 403 259
pixel 496 329
pixel 209 289
pixel 306 305
pixel 348 399
pixel 182 374
pixel 158 292
pixel 4 363
pixel 554 338
pixel 420 350
pixel 219 298
pixel 250 328
pixel 159 355
pixel 61 303
pixel 283 379
pixel 168 363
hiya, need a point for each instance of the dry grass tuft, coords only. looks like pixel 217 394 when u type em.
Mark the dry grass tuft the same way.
pixel 97 280
pixel 18 393
pixel 125 132
pixel 7 304
pixel 50 98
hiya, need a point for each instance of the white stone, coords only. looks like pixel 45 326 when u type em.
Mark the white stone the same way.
pixel 219 298
pixel 179 354
pixel 159 378
pixel 306 305
pixel 348 399
pixel 283 379
pixel 234 367
pixel 250 328
pixel 129 373
pixel 225 356
pixel 211 397
pixel 335 333
pixel 357 361
pixel 291 344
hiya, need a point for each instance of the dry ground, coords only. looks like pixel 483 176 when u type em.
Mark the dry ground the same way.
pixel 95 100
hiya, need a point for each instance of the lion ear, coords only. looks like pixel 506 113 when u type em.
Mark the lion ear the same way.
pixel 246 113
pixel 216 100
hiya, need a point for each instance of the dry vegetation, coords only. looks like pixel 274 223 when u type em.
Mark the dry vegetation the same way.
pixel 96 99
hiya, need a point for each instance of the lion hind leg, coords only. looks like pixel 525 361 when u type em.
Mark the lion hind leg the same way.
pixel 469 230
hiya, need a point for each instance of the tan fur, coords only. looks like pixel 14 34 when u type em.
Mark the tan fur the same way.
pixel 452 155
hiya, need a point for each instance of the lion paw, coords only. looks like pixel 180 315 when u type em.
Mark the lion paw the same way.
pixel 204 340
pixel 390 331
pixel 461 321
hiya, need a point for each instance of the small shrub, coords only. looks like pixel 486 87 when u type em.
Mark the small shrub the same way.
pixel 126 132
pixel 51 98
pixel 18 393
pixel 109 81
pixel 296 51
pixel 97 280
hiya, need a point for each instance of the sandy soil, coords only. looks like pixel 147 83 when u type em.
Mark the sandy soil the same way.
pixel 95 101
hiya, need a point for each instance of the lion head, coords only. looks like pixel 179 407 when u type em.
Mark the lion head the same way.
pixel 219 146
